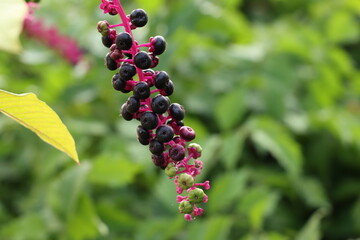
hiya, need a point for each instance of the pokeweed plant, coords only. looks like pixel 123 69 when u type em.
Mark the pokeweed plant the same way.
pixel 161 122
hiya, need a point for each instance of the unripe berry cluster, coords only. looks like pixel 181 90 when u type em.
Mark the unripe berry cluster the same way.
pixel 161 122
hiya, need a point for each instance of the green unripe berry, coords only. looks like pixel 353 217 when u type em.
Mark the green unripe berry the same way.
pixel 170 170
pixel 186 207
pixel 196 195
pixel 185 181
pixel 103 28
pixel 197 146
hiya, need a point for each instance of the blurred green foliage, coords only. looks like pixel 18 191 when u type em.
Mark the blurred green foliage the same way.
pixel 271 87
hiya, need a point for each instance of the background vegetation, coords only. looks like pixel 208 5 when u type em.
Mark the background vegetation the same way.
pixel 271 87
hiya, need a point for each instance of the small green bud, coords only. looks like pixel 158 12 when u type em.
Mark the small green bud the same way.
pixel 103 28
pixel 185 181
pixel 186 207
pixel 196 195
pixel 197 146
pixel 170 170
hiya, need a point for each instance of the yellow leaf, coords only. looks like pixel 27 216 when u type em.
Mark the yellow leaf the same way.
pixel 36 115
pixel 12 14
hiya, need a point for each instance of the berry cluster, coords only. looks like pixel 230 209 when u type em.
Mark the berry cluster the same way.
pixel 161 122
pixel 51 37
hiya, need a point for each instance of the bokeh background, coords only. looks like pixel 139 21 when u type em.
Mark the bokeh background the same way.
pixel 271 87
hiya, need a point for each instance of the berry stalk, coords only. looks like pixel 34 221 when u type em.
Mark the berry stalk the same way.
pixel 161 122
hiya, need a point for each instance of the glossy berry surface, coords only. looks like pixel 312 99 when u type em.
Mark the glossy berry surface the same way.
pixel 159 104
pixel 169 89
pixel 156 147
pixel 123 41
pixel 110 63
pixel 149 120
pixel 177 112
pixel 138 17
pixel 106 41
pixel 142 60
pixel 164 133
pixel 125 114
pixel 132 104
pixel 141 90
pixel 161 80
pixel 177 152
pixel 158 45
pixel 127 71
pixel 187 133
pixel 118 83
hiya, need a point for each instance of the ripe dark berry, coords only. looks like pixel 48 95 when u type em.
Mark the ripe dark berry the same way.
pixel 177 152
pixel 187 133
pixel 125 114
pixel 141 90
pixel 142 60
pixel 127 71
pixel 159 104
pixel 143 135
pixel 118 83
pixel 158 45
pixel 132 104
pixel 159 160
pixel 110 63
pixel 168 90
pixel 156 147
pixel 149 120
pixel 164 133
pixel 177 112
pixel 107 41
pixel 161 79
pixel 123 41
pixel 138 17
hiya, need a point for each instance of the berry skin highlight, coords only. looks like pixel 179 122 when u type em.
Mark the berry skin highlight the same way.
pixel 161 122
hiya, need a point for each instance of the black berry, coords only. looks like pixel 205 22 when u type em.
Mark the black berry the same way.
pixel 164 133
pixel 138 17
pixel 123 41
pixel 125 114
pixel 141 90
pixel 143 135
pixel 161 79
pixel 158 45
pixel 168 90
pixel 132 104
pixel 187 133
pixel 149 120
pixel 118 83
pixel 159 160
pixel 127 71
pixel 156 147
pixel 159 104
pixel 142 60
pixel 177 152
pixel 110 63
pixel 107 41
pixel 177 112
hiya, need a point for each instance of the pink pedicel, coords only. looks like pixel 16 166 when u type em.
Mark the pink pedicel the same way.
pixel 51 37
pixel 182 171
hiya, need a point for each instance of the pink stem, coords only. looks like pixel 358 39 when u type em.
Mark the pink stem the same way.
pixel 116 25
pixel 134 47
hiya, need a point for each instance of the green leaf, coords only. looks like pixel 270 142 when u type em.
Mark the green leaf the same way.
pixel 258 202
pixel 113 171
pixel 12 14
pixel 312 229
pixel 227 187
pixel 274 138
pixel 232 147
pixel 230 109
pixel 37 116
pixel 313 192
pixel 212 229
